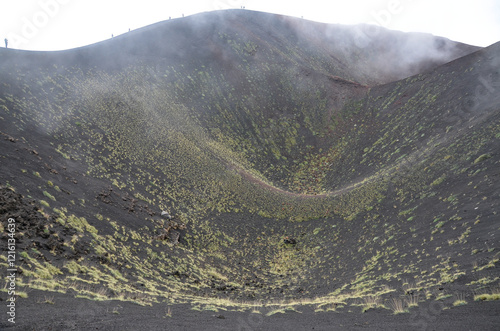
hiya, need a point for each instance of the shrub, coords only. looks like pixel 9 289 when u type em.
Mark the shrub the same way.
pixel 482 158
pixel 48 195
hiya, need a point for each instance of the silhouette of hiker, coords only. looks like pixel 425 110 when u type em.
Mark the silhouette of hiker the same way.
pixel 6 42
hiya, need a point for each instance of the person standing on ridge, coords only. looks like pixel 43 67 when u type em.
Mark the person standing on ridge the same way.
pixel 6 42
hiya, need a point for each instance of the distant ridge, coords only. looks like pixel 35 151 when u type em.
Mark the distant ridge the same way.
pixel 359 53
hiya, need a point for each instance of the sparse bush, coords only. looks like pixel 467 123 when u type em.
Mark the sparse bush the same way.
pixel 398 306
pixel 48 195
pixel 482 158
pixel 492 296
pixel 372 302
pixel 438 181
pixel 459 300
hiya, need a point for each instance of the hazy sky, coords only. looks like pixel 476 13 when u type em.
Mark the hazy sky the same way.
pixel 63 24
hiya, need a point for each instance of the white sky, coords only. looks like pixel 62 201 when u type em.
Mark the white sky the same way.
pixel 63 24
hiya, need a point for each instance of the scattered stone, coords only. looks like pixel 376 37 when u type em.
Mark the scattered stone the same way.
pixel 289 241
pixel 220 317
pixel 166 215
pixel 170 233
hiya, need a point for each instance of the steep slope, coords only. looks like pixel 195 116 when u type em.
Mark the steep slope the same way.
pixel 266 87
pixel 248 128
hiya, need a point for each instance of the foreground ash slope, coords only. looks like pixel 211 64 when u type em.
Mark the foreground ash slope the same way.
pixel 250 127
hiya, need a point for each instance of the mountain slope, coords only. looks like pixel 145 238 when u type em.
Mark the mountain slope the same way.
pixel 249 128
